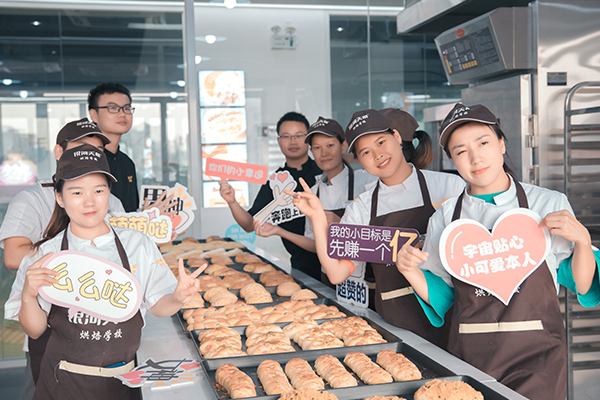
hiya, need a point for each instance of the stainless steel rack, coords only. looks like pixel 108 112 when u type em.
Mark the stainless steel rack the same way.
pixel 582 187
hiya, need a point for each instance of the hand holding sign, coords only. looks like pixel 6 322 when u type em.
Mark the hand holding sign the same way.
pixel 91 284
pixel 498 262
pixel 226 191
pixel 37 277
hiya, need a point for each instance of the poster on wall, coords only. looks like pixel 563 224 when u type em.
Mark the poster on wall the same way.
pixel 223 125
pixel 222 88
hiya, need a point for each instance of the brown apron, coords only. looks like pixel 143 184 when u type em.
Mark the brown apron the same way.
pixel 394 298
pixel 91 342
pixel 531 357
pixel 339 212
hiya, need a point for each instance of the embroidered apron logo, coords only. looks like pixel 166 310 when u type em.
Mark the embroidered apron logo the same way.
pixel 96 286
pixel 498 262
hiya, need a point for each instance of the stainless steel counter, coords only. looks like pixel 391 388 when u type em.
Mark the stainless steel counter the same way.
pixel 163 338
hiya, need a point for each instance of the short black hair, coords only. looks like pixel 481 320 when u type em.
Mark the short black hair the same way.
pixel 294 117
pixel 106 88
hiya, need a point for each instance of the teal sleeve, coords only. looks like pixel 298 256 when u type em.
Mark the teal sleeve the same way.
pixel 565 278
pixel 441 297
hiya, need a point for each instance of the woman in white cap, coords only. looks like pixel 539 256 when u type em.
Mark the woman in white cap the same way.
pixel 337 187
pixel 76 365
pixel 404 196
pixel 521 344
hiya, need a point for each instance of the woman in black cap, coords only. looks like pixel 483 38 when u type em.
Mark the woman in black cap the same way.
pixel 404 196
pixel 521 344
pixel 84 353
pixel 337 187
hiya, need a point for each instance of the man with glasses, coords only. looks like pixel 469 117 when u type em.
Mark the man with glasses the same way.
pixel 109 105
pixel 291 131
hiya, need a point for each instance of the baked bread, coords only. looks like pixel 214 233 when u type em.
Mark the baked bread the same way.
pixel 447 390
pixel 400 367
pixel 304 294
pixel 236 382
pixel 369 372
pixel 334 372
pixel 287 289
pixel 308 394
pixel 302 375
pixel 273 378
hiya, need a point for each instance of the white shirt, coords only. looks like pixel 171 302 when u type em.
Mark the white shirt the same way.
pixel 334 195
pixel 404 196
pixel 146 263
pixel 542 201
pixel 29 213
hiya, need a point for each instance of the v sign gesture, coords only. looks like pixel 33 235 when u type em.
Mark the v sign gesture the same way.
pixel 307 201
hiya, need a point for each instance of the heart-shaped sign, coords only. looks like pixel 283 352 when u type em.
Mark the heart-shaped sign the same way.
pixel 176 220
pixel 282 176
pixel 500 261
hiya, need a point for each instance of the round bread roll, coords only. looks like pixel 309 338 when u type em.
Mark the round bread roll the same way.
pixel 287 289
pixel 447 390
pixel 304 294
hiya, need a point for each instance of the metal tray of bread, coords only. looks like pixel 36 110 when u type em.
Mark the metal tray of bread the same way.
pixel 385 334
pixel 429 369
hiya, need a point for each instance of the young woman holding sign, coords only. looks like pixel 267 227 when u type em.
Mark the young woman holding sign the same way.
pixel 85 353
pixel 521 344
pixel 404 196
pixel 336 187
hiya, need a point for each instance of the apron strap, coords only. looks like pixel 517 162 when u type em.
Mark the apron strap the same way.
pixel 120 249
pixel 350 183
pixel 374 201
pixel 521 197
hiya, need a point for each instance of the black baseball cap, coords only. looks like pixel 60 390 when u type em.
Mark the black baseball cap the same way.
pixel 461 115
pixel 75 130
pixel 366 122
pixel 326 126
pixel 80 161
pixel 401 121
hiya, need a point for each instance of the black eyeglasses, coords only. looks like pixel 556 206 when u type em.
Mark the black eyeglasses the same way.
pixel 116 109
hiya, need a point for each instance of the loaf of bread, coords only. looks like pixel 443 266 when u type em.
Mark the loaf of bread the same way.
pixel 236 382
pixel 400 367
pixel 334 372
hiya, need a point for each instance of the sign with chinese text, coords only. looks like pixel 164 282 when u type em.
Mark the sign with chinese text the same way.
pixel 500 261
pixel 91 284
pixel 161 374
pixel 184 204
pixel 353 291
pixel 281 209
pixel 149 222
pixel 375 244
pixel 236 171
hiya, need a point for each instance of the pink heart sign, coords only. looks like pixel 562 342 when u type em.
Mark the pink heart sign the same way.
pixel 500 261
pixel 282 176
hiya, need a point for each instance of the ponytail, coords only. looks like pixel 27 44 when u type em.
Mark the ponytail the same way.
pixel 58 222
pixel 422 155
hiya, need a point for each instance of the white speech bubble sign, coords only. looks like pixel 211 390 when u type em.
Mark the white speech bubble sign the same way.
pixel 93 285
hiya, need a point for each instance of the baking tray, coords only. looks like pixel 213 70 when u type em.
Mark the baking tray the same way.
pixel 429 368
pixel 321 300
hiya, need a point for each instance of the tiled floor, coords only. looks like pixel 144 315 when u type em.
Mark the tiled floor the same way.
pixel 11 383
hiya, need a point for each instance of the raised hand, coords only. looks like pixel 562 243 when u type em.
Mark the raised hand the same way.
pixel 563 223
pixel 409 258
pixel 306 201
pixel 163 203
pixel 188 285
pixel 36 277
pixel 227 191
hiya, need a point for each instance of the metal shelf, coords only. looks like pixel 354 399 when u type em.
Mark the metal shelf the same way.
pixel 582 189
